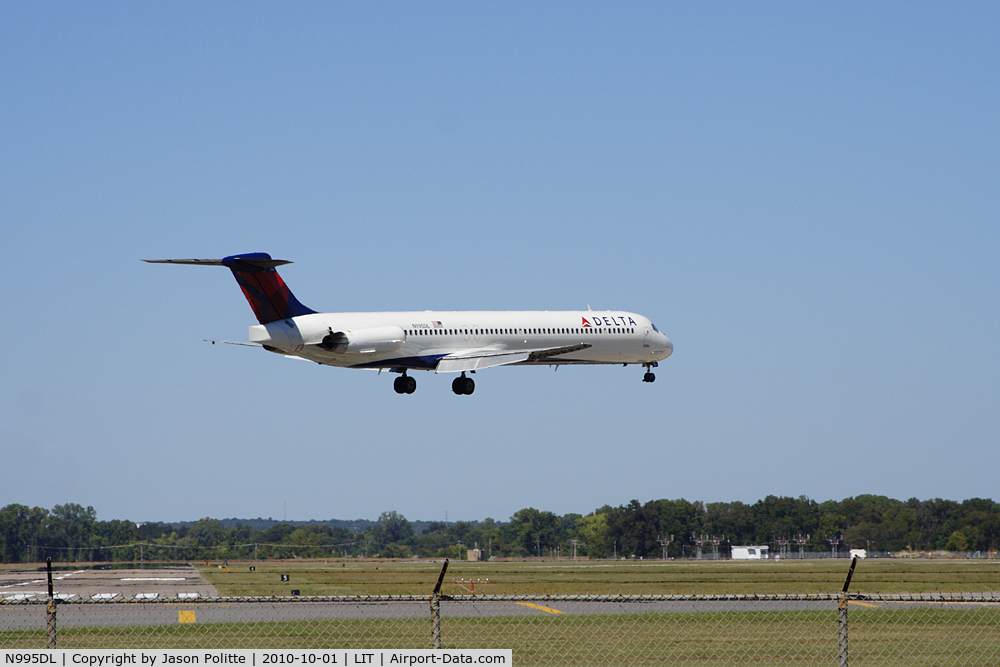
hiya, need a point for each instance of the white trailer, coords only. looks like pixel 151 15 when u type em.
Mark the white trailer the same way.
pixel 751 552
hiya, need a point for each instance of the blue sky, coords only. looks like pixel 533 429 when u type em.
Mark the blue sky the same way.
pixel 803 197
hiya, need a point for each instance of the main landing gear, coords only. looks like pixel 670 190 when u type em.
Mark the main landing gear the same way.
pixel 649 377
pixel 404 384
pixel 463 385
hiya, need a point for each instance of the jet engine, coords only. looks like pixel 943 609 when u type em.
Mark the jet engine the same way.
pixel 371 340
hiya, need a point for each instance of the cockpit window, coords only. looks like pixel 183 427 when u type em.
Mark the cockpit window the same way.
pixel 654 328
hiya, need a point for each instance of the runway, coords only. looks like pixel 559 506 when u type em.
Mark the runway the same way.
pixel 106 583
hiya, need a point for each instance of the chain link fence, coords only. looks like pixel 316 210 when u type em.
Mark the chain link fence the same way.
pixel 543 630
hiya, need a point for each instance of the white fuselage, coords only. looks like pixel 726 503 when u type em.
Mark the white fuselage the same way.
pixel 419 340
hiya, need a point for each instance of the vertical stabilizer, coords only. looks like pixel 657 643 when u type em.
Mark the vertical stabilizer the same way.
pixel 264 289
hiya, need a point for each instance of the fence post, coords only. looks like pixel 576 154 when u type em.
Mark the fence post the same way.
pixel 50 611
pixel 436 609
pixel 436 620
pixel 843 650
pixel 843 644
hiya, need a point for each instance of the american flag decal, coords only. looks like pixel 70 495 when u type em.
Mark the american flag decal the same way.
pixel 436 325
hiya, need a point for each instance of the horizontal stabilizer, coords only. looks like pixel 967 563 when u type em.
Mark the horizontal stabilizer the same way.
pixel 237 262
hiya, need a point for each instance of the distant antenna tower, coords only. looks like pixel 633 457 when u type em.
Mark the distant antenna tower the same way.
pixel 664 542
pixel 715 546
pixel 782 546
pixel 834 541
pixel 802 543
pixel 698 541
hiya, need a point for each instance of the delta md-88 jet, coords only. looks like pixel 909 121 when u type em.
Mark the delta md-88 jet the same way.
pixel 441 341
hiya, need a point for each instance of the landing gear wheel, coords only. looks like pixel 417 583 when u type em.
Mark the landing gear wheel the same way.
pixel 463 385
pixel 649 377
pixel 404 384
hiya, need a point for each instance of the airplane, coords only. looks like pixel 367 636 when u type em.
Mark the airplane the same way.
pixel 441 341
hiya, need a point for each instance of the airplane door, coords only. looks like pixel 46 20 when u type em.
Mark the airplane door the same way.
pixel 645 339
pixel 477 332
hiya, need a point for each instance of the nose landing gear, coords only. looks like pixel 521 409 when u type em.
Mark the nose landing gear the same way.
pixel 463 385
pixel 649 376
pixel 404 384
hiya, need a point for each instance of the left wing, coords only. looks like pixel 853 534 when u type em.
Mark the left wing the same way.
pixel 266 347
pixel 475 359
pixel 232 342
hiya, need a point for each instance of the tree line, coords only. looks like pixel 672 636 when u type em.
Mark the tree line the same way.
pixel 72 533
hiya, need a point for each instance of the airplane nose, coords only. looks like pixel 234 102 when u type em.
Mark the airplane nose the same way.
pixel 668 344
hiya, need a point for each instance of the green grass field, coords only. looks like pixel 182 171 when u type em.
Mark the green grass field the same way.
pixel 922 634
pixel 408 577
pixel 904 638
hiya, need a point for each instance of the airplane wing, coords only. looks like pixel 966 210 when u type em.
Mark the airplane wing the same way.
pixel 237 342
pixel 473 360
pixel 232 342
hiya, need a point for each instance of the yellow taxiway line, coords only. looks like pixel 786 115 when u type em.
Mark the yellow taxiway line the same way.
pixel 540 607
